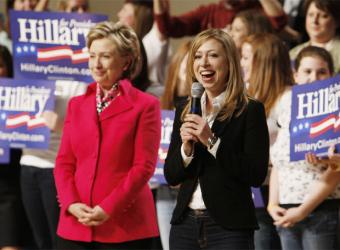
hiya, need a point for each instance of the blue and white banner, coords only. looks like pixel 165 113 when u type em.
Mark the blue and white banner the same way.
pixel 315 123
pixel 167 123
pixel 50 46
pixel 22 103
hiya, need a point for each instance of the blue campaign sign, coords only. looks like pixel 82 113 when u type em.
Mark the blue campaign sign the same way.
pixel 315 123
pixel 167 122
pixel 51 46
pixel 22 102
pixel 4 154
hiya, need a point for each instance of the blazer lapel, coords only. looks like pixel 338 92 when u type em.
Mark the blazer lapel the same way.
pixel 121 103
pixel 219 126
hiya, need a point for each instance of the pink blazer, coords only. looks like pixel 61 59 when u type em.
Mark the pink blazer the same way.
pixel 107 160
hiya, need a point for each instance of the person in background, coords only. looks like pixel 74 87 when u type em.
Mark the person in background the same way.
pixel 138 14
pixel 176 90
pixel 322 25
pixel 37 182
pixel 21 5
pixel 14 228
pixel 246 23
pixel 215 15
pixel 267 71
pixel 176 93
pixel 102 180
pixel 303 198
pixel 78 6
pixel 216 158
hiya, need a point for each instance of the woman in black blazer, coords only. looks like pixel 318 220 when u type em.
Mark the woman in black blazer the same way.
pixel 216 158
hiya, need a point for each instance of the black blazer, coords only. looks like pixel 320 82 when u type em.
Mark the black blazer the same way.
pixel 241 162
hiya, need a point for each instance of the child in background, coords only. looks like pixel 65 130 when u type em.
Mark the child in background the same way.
pixel 303 198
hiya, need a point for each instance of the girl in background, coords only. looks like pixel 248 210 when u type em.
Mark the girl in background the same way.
pixel 266 67
pixel 176 93
pixel 304 198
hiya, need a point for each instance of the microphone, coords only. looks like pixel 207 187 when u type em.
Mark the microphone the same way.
pixel 196 94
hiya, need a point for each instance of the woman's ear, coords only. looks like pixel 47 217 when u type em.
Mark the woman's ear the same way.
pixel 127 63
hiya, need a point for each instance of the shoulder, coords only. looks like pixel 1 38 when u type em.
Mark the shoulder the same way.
pixel 138 96
pixel 254 104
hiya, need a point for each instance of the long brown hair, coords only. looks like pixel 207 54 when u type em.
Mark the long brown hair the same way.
pixel 271 70
pixel 235 99
pixel 172 78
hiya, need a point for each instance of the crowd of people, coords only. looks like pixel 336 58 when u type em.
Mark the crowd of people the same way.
pixel 90 189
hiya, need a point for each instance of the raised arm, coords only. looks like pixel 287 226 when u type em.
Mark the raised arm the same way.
pixel 272 7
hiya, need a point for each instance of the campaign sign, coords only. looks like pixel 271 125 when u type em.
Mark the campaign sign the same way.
pixel 315 123
pixel 4 154
pixel 51 46
pixel 21 104
pixel 167 122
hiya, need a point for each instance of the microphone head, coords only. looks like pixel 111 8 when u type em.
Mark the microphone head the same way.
pixel 197 90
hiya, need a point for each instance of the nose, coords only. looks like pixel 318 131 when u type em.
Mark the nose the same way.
pixel 204 60
pixel 94 62
pixel 313 77
pixel 316 19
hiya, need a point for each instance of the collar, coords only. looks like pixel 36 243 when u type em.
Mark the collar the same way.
pixel 217 104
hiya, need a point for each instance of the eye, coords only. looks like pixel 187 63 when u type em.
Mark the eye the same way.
pixel 197 56
pixel 307 71
pixel 214 55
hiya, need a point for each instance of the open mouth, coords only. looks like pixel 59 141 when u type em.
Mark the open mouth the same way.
pixel 207 74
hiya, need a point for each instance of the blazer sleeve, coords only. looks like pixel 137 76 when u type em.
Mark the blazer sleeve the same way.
pixel 66 165
pixel 174 170
pixel 146 145
pixel 250 164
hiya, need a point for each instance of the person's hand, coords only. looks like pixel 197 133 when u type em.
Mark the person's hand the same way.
pixel 291 217
pixel 80 210
pixel 187 138
pixel 50 119
pixel 334 158
pixel 276 212
pixel 97 217
pixel 198 127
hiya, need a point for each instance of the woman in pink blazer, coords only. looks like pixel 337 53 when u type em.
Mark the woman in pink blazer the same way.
pixel 108 151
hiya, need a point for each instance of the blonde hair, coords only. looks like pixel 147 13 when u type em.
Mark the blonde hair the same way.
pixel 125 41
pixel 172 79
pixel 271 70
pixel 235 99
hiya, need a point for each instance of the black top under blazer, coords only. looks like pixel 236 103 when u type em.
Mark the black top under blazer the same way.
pixel 241 162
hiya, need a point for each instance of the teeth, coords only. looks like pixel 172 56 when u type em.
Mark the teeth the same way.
pixel 204 73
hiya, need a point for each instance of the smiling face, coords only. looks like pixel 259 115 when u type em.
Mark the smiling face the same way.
pixel 320 25
pixel 211 67
pixel 105 63
pixel 246 61
pixel 311 69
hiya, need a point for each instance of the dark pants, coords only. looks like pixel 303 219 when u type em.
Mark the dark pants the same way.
pixel 200 231
pixel 40 201
pixel 133 245
pixel 266 237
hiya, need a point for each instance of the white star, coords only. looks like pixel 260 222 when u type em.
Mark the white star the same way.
pixel 306 125
pixel 295 129
pixel 25 48
pixel 32 48
pixel 3 116
pixel 19 50
pixel 300 126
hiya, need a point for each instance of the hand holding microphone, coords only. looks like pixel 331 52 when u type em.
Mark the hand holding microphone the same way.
pixel 188 138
